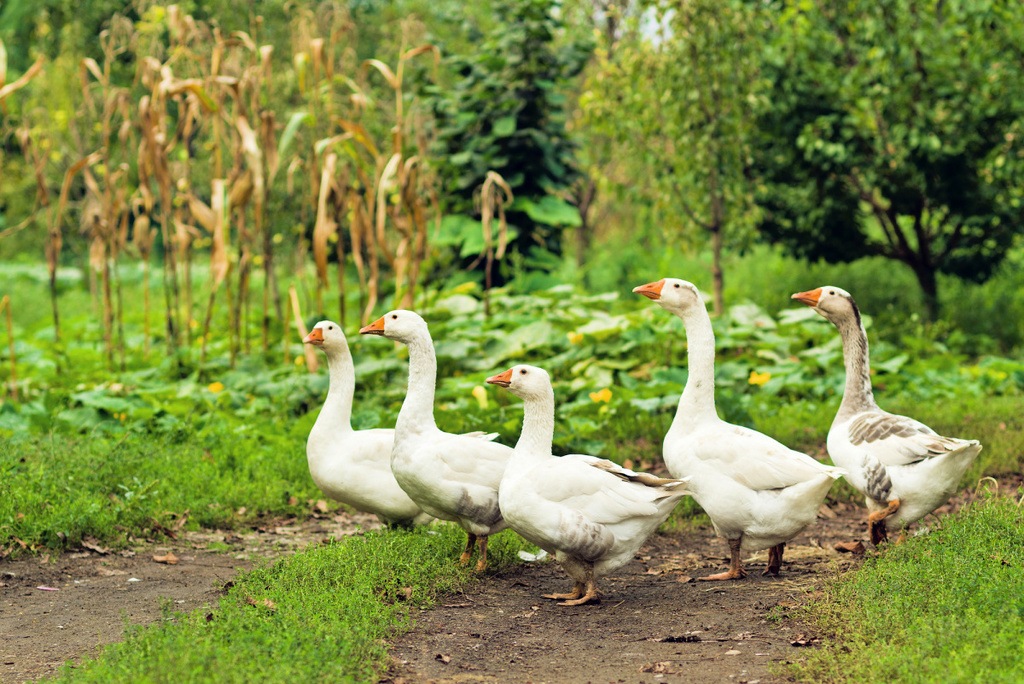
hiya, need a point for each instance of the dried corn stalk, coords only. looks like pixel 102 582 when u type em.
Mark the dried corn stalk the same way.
pixel 495 194
pixel 5 308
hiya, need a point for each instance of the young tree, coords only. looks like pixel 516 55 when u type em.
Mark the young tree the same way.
pixel 682 101
pixel 505 112
pixel 895 130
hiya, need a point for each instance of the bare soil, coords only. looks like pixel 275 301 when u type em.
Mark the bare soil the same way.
pixel 654 623
pixel 53 609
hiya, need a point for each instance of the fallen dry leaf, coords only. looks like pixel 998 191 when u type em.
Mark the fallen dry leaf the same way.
pixel 168 559
pixel 732 652
pixel 110 572
pixel 94 545
pixel 856 547
pixel 663 667
pixel 826 512
pixel 443 658
pixel 685 579
pixel 321 506
pixel 180 522
pixel 266 603
pixel 803 640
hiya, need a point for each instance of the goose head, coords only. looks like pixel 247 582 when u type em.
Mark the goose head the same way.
pixel 833 303
pixel 673 294
pixel 400 325
pixel 526 382
pixel 329 336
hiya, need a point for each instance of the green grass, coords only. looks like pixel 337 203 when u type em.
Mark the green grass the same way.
pixel 947 606
pixel 321 615
pixel 57 489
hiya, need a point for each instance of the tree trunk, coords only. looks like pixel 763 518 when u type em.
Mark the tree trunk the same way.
pixel 716 227
pixel 929 288
pixel 717 277
pixel 584 202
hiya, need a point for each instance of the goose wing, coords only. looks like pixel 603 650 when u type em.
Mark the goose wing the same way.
pixel 602 491
pixel 757 461
pixel 898 440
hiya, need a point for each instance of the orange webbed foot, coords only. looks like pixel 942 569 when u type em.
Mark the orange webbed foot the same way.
pixel 590 595
pixel 730 574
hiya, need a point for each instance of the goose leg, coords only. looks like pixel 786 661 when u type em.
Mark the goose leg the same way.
pixel 590 594
pixel 775 559
pixel 481 561
pixel 735 570
pixel 585 590
pixel 577 591
pixel 464 558
pixel 876 522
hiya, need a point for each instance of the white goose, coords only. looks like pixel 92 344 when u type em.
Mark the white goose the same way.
pixel 590 513
pixel 452 477
pixel 758 493
pixel 903 468
pixel 353 466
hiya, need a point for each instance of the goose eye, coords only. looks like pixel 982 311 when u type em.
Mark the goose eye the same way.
pixel 330 327
pixel 522 371
pixel 394 317
pixel 831 292
pixel 676 285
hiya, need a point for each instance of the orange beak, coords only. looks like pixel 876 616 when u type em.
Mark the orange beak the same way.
pixel 810 298
pixel 375 328
pixel 651 290
pixel 501 379
pixel 315 337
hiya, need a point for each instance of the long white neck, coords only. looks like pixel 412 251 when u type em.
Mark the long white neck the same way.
pixel 698 401
pixel 857 395
pixel 538 425
pixel 417 412
pixel 337 409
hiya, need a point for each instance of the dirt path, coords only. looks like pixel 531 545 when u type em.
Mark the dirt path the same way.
pixel 652 626
pixel 54 610
pixel 655 624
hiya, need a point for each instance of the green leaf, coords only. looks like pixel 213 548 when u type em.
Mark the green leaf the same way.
pixel 893 365
pixel 549 210
pixel 505 126
pixel 455 228
pixel 291 129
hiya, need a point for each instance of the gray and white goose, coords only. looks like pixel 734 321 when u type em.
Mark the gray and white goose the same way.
pixel 904 469
pixel 590 513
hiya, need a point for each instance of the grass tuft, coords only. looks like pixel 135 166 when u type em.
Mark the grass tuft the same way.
pixel 321 615
pixel 945 606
